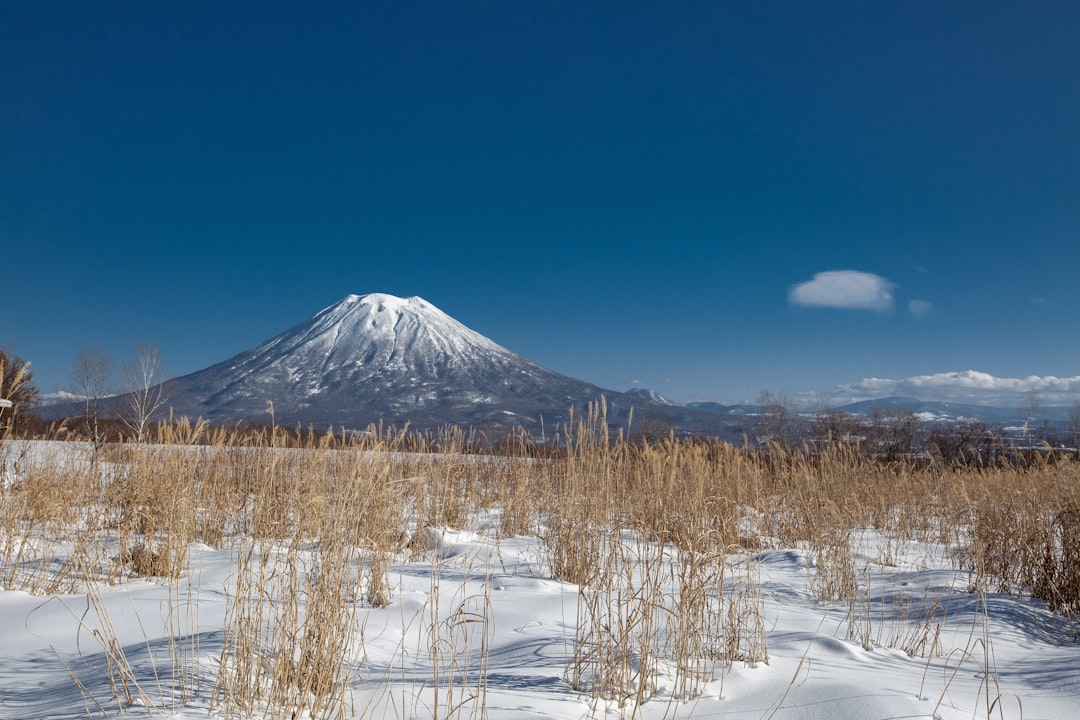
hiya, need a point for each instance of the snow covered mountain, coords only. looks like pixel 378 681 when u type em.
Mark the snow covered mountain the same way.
pixel 379 357
pixel 649 395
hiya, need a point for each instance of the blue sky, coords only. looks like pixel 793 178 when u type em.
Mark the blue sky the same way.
pixel 709 199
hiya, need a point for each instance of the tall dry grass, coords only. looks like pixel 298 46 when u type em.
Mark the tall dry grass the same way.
pixel 660 539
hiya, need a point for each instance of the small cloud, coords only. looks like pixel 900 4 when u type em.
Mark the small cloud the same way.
pixel 844 289
pixel 920 308
pixel 635 382
pixel 1039 301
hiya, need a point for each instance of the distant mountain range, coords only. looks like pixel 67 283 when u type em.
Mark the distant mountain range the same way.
pixel 927 410
pixel 380 358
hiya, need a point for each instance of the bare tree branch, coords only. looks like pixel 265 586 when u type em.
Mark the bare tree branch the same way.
pixel 92 379
pixel 145 393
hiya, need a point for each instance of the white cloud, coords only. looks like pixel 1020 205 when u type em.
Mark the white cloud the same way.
pixel 970 386
pixel 920 308
pixel 844 289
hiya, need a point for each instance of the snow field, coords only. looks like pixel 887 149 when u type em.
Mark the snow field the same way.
pixel 653 583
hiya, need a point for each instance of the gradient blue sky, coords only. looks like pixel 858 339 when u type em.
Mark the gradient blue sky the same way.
pixel 624 192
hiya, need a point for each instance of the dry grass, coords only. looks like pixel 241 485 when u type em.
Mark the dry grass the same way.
pixel 660 539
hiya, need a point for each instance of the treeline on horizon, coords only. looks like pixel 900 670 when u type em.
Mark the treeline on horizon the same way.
pixel 891 436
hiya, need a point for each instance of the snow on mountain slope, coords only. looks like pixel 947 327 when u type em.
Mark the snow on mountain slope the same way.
pixel 375 357
pixel 649 395
pixel 363 336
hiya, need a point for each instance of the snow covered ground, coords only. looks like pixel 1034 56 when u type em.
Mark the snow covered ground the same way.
pixel 475 626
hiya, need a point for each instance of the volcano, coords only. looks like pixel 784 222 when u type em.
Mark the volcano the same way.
pixel 377 357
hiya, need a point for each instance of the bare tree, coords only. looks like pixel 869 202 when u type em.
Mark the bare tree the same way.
pixel 1073 425
pixel 831 426
pixel 893 433
pixel 92 381
pixel 1029 408
pixel 779 420
pixel 653 430
pixel 145 394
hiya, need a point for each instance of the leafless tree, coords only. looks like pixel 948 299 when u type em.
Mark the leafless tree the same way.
pixel 92 381
pixel 970 443
pixel 893 433
pixel 831 426
pixel 653 430
pixel 1073 425
pixel 145 393
pixel 779 420
pixel 1030 403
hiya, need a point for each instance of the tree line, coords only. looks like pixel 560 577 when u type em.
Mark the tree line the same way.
pixel 893 433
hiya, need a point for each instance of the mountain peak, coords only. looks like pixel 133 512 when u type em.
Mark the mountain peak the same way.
pixel 376 356
pixel 384 299
pixel 649 395
pixel 384 327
